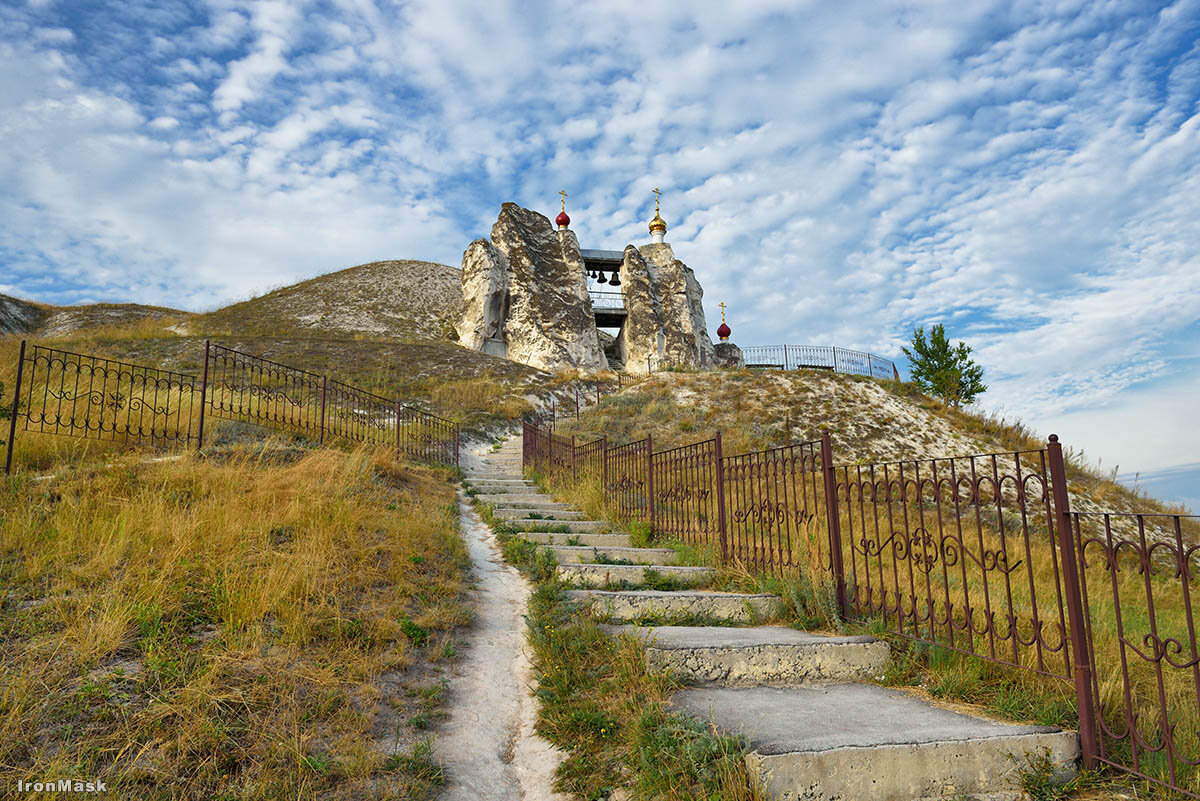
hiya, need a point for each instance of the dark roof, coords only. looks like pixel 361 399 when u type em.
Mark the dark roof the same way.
pixel 602 255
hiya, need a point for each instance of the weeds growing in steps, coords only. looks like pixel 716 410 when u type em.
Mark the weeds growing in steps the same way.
pixel 598 702
pixel 194 629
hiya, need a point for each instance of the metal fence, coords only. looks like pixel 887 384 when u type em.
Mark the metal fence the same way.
pixel 75 394
pixel 819 357
pixel 980 554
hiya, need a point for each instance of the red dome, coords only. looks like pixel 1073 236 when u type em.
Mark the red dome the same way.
pixel 562 220
pixel 724 331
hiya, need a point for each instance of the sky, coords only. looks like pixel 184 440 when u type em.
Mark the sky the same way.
pixel 1027 173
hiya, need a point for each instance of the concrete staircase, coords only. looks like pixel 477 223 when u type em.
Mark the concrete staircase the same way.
pixel 815 729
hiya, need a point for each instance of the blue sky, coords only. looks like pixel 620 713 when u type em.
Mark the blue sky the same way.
pixel 1027 173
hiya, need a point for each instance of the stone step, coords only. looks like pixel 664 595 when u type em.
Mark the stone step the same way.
pixel 600 540
pixel 584 554
pixel 551 515
pixel 861 741
pixel 773 656
pixel 529 495
pixel 631 606
pixel 502 482
pixel 509 501
pixel 602 575
pixel 503 489
pixel 577 526
pixel 475 478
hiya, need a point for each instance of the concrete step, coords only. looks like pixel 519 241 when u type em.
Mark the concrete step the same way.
pixel 531 505
pixel 503 489
pixel 584 554
pixel 492 475
pixel 576 526
pixel 772 656
pixel 600 540
pixel 602 575
pixel 631 606
pixel 518 498
pixel 550 515
pixel 860 741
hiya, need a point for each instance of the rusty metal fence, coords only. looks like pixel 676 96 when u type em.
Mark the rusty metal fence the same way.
pixel 980 554
pixel 75 394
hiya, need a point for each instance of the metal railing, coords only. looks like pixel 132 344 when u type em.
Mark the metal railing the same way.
pixel 980 554
pixel 819 357
pixel 75 394
pixel 606 300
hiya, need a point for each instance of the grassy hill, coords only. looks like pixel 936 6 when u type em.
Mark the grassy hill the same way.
pixel 394 300
pixel 870 421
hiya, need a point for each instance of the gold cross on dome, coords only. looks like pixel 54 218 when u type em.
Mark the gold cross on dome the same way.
pixel 722 305
pixel 656 196
pixel 563 192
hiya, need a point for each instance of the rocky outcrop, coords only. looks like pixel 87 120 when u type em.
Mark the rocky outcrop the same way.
pixel 729 355
pixel 524 295
pixel 665 324
pixel 485 277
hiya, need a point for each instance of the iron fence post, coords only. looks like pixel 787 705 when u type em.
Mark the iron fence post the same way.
pixel 456 464
pixel 574 471
pixel 870 366
pixel 718 464
pixel 785 360
pixel 1080 651
pixel 835 366
pixel 650 479
pixel 324 380
pixel 12 421
pixel 834 522
pixel 604 467
pixel 576 402
pixel 203 397
pixel 398 406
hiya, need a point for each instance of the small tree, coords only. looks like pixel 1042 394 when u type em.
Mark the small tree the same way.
pixel 943 370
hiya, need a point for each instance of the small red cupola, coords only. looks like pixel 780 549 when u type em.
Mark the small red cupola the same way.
pixel 724 331
pixel 562 220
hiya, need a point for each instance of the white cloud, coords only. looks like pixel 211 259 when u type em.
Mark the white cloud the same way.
pixel 1027 173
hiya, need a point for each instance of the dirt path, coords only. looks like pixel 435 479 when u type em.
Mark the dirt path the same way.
pixel 488 746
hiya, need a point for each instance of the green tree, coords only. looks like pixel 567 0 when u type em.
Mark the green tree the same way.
pixel 943 370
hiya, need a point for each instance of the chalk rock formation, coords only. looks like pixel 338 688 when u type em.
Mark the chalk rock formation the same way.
pixel 524 295
pixel 665 324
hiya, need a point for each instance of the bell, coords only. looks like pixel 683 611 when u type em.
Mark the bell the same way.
pixel 616 279
pixel 602 279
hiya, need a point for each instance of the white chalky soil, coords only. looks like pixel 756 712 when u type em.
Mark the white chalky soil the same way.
pixel 488 745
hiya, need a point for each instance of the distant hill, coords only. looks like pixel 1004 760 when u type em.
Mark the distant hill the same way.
pixel 26 317
pixel 399 300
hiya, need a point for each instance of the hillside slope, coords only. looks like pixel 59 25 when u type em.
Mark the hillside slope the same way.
pixel 26 317
pixel 869 421
pixel 399 300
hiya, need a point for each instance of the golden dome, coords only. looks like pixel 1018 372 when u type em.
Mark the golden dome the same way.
pixel 658 223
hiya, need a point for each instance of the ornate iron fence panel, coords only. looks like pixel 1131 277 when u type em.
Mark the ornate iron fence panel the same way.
pixel 772 501
pixel 251 389
pixel 427 437
pixel 1139 574
pixel 626 471
pixel 589 460
pixel 960 552
pixel 77 395
pixel 359 416
pixel 685 492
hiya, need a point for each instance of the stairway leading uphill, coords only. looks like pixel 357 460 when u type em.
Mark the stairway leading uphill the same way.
pixel 815 728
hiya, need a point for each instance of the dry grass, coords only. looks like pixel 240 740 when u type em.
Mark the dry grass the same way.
pixel 242 629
